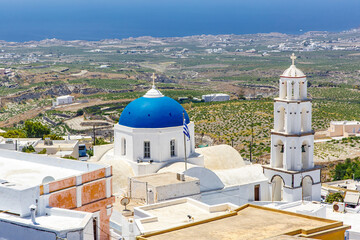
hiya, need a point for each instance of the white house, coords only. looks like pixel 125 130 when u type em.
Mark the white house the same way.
pixel 219 97
pixel 67 99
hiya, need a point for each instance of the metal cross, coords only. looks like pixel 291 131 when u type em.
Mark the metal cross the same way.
pixel 153 78
pixel 293 57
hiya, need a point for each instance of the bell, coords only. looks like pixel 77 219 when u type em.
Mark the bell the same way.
pixel 303 148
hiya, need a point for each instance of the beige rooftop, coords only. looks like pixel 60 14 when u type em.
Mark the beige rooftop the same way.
pixel 251 222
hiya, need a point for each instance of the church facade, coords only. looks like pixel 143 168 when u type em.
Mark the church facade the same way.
pixel 149 134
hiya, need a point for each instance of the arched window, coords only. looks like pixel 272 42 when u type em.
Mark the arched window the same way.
pixel 172 148
pixel 279 154
pixel 306 185
pixel 277 183
pixel 146 149
pixel 123 147
pixel 305 155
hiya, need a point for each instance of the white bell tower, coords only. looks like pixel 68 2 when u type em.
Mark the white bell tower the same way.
pixel 292 175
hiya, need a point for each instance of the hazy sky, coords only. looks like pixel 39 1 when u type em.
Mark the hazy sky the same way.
pixel 90 19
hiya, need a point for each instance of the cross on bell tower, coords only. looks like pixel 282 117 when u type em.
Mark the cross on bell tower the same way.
pixel 293 57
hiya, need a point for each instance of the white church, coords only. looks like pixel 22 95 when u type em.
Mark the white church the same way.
pixel 149 139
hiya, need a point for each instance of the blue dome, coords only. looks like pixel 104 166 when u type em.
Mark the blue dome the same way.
pixel 159 112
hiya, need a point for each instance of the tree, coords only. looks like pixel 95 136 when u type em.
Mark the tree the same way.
pixel 35 129
pixel 13 134
pixel 334 197
pixel 79 112
pixel 347 170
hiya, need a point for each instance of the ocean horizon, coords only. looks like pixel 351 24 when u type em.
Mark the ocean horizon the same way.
pixel 23 20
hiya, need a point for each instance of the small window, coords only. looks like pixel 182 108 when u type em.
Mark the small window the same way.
pixel 257 192
pixel 123 150
pixel 147 149
pixel 172 148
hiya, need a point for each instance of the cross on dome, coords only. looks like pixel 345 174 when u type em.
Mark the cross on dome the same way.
pixel 293 57
pixel 153 92
pixel 153 78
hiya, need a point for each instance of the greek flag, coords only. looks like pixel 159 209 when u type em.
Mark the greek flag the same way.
pixel 186 131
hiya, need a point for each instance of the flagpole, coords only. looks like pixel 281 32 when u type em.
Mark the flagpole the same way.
pixel 184 142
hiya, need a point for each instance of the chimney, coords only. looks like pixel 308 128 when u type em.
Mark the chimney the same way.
pixel 33 213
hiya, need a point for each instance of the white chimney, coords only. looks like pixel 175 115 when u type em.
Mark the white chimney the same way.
pixel 33 213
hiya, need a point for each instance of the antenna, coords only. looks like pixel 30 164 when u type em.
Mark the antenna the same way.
pixel 125 201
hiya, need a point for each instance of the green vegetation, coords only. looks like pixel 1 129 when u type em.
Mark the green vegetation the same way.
pixel 28 149
pixel 69 157
pixel 347 170
pixel 53 137
pixel 42 151
pixel 228 122
pixel 35 129
pixel 13 134
pixel 100 141
pixel 90 152
pixel 80 112
pixel 334 197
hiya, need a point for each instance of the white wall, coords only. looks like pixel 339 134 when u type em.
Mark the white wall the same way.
pixel 159 142
pixel 18 199
pixel 14 231
pixel 181 189
pixel 292 190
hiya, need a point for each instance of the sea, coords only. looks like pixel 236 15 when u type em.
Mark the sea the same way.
pixel 26 20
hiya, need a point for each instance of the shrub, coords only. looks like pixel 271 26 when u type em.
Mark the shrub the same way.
pixel 53 137
pixel 334 197
pixel 42 151
pixel 13 134
pixel 28 149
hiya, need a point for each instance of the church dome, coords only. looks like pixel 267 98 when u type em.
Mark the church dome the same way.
pixel 153 110
pixel 293 71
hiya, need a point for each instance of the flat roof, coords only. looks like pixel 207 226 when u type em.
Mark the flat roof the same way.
pixel 161 179
pixel 248 222
pixel 28 169
pixel 55 219
pixel 345 122
pixel 174 213
pixel 349 217
pixel 57 144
